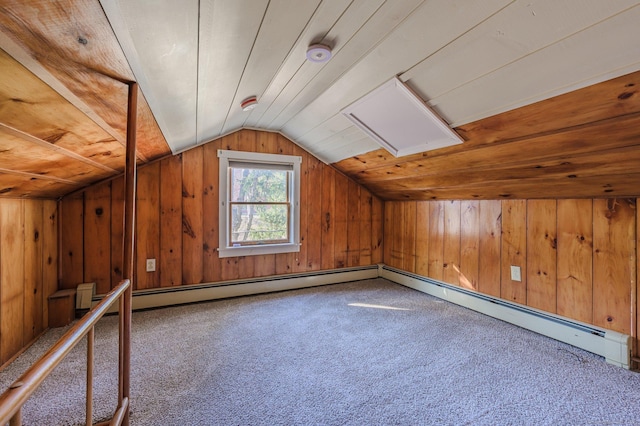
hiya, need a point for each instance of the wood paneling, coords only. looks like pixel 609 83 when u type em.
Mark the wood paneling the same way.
pixel 314 216
pixel 170 262
pixel 613 262
pixel 328 218
pixel 451 249
pixel 577 257
pixel 28 271
pixel 541 254
pixel 97 237
pixel 408 220
pixel 490 259
pixel 33 270
pixel 192 236
pixel 12 262
pixel 148 225
pixel 581 144
pixel 341 222
pixel 436 244
pixel 469 244
pixel 422 238
pixel 117 230
pixel 72 247
pixel 514 250
pixel 177 220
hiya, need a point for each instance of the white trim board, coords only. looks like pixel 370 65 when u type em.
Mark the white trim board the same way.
pixel 169 296
pixel 613 346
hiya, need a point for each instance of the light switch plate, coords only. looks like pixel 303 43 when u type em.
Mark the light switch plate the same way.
pixel 151 265
pixel 515 273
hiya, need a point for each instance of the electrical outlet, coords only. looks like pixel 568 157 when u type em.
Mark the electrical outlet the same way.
pixel 151 265
pixel 515 273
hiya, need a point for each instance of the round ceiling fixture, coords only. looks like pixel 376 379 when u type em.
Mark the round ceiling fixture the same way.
pixel 249 103
pixel 318 53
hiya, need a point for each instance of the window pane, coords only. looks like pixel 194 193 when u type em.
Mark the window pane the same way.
pixel 259 185
pixel 251 223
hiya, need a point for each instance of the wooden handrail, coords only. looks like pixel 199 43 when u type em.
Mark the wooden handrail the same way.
pixel 12 400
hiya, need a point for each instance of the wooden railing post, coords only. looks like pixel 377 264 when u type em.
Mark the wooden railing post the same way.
pixel 128 236
pixel 89 396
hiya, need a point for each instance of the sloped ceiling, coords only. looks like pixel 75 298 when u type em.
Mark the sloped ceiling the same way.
pixel 499 72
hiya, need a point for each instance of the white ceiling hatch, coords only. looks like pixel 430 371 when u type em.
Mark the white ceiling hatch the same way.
pixel 400 121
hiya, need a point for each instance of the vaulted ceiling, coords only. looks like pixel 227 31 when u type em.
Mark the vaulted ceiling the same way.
pixel 544 93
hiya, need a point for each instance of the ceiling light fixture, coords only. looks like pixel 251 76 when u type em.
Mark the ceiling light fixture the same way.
pixel 248 104
pixel 318 53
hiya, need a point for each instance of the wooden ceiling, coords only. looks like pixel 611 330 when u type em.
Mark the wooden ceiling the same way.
pixel 63 101
pixel 64 65
pixel 582 144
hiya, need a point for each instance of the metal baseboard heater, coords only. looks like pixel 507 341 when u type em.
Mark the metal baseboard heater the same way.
pixel 613 346
pixel 169 296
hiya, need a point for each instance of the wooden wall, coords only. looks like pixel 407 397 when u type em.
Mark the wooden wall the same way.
pixel 28 271
pixel 577 256
pixel 177 222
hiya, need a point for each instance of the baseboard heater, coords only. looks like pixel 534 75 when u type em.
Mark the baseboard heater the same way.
pixel 613 346
pixel 169 296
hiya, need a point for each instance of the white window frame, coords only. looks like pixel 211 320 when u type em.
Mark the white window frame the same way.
pixel 225 248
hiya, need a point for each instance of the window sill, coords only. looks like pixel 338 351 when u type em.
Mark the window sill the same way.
pixel 258 250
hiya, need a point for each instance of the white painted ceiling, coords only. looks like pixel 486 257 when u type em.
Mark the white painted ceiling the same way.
pixel 196 60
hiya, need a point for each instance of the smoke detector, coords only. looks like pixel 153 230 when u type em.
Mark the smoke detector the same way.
pixel 318 53
pixel 248 104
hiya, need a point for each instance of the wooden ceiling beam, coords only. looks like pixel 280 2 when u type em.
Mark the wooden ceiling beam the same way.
pixel 30 63
pixel 37 176
pixel 48 145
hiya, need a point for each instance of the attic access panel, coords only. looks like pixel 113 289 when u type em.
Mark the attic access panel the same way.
pixel 400 121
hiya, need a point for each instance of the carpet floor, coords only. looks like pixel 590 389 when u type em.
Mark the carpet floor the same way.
pixel 363 353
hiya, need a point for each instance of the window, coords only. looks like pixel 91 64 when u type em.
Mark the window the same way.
pixel 259 203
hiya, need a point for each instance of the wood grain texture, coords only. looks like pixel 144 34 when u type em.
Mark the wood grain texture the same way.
pixel 436 243
pixel 613 262
pixel 490 257
pixel 341 214
pixel 11 278
pixel 72 238
pixel 117 230
pixel 422 238
pixel 314 215
pixel 451 246
pixel 97 237
pixel 49 255
pixel 353 224
pixel 581 144
pixel 514 250
pixel 34 300
pixel 366 240
pixel 541 254
pixel 377 238
pixel 328 226
pixel 398 235
pixel 148 225
pixel 469 244
pixel 178 219
pixel 408 220
pixel 192 236
pixel 388 234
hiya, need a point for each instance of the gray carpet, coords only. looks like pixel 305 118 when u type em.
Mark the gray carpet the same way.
pixel 334 355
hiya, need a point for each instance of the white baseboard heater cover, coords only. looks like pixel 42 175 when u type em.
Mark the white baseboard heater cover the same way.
pixel 169 296
pixel 613 346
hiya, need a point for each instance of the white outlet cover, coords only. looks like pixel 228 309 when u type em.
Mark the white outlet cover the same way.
pixel 515 273
pixel 151 265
